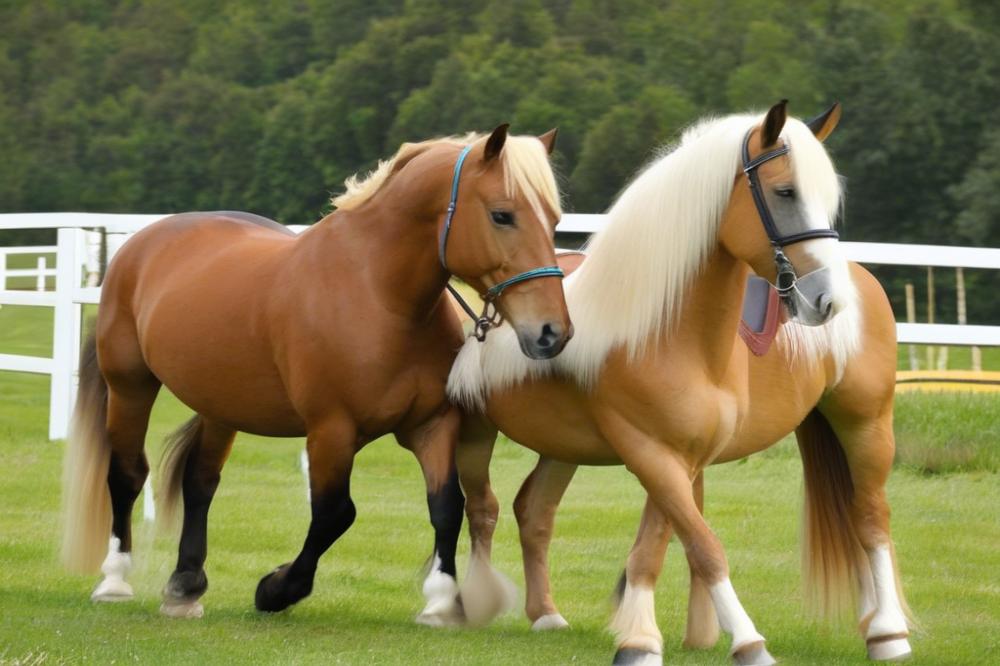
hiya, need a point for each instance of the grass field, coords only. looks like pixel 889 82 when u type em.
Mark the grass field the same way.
pixel 946 523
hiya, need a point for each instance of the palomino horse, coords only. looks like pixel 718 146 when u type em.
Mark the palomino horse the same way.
pixel 341 334
pixel 658 380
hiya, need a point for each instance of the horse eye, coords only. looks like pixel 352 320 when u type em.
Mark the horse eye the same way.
pixel 785 192
pixel 502 217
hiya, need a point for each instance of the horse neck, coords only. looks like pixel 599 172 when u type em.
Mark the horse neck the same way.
pixel 712 310
pixel 395 249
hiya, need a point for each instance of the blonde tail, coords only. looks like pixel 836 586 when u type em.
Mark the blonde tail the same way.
pixel 86 501
pixel 833 559
pixel 175 456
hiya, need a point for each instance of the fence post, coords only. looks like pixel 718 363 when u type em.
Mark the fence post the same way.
pixel 977 358
pixel 40 278
pixel 911 317
pixel 65 334
pixel 930 313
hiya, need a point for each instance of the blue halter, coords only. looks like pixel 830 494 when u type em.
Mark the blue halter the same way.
pixel 484 321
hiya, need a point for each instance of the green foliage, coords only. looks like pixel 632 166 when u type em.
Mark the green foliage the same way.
pixel 159 106
pixel 977 196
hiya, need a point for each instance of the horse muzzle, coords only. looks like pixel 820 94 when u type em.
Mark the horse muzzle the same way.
pixel 545 341
pixel 810 299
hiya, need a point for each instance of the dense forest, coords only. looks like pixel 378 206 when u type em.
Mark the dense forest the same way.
pixel 267 105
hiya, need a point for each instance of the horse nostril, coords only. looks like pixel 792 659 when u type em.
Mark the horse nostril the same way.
pixel 548 337
pixel 824 303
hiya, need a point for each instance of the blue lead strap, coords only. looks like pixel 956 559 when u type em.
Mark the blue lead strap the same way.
pixel 443 243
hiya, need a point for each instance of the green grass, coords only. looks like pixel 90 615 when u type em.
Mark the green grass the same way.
pixel 947 527
pixel 948 432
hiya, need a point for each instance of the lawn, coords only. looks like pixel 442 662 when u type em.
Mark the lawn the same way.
pixel 947 529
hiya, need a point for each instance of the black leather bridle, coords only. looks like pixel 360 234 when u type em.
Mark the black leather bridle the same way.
pixel 786 277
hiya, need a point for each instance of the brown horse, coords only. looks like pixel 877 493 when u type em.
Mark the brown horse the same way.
pixel 658 380
pixel 341 334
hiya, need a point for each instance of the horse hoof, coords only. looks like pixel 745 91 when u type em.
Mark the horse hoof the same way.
pixel 192 609
pixel 111 590
pixel 441 618
pixel 550 622
pixel 444 607
pixel 893 649
pixel 636 657
pixel 486 593
pixel 276 592
pixel 753 654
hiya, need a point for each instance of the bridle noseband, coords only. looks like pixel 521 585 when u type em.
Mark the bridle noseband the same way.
pixel 786 277
pixel 485 320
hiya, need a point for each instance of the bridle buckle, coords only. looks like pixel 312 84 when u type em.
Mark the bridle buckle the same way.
pixel 485 321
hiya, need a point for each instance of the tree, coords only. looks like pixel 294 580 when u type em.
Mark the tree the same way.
pixel 624 139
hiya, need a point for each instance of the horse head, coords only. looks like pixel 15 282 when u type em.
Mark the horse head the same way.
pixel 781 214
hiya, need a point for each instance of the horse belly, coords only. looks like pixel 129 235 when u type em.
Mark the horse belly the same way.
pixel 778 401
pixel 217 364
pixel 551 419
pixel 245 397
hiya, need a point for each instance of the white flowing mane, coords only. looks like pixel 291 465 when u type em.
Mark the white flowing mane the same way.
pixel 659 234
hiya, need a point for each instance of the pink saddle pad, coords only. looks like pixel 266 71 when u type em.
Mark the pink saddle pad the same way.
pixel 761 310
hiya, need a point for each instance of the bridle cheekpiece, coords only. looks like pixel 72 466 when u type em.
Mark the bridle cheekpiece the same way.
pixel 486 319
pixel 786 277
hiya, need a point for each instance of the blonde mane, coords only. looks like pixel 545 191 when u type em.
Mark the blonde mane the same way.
pixel 526 171
pixel 659 233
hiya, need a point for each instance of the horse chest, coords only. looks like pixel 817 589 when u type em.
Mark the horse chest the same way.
pixel 411 398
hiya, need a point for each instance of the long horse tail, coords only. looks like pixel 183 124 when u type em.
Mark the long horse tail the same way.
pixel 86 505
pixel 178 447
pixel 833 558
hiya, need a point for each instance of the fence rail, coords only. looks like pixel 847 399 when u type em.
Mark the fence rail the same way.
pixel 70 296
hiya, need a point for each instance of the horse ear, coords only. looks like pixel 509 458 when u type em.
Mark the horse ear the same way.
pixel 549 140
pixel 774 121
pixel 495 143
pixel 824 124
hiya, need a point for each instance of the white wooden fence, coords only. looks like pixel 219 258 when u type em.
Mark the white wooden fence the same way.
pixel 40 272
pixel 895 254
pixel 70 296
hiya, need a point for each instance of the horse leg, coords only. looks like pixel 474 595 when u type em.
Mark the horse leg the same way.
pixel 486 593
pixel 130 400
pixel 203 447
pixel 668 480
pixel 702 622
pixel 649 550
pixel 331 450
pixel 869 445
pixel 634 621
pixel 433 444
pixel 535 509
